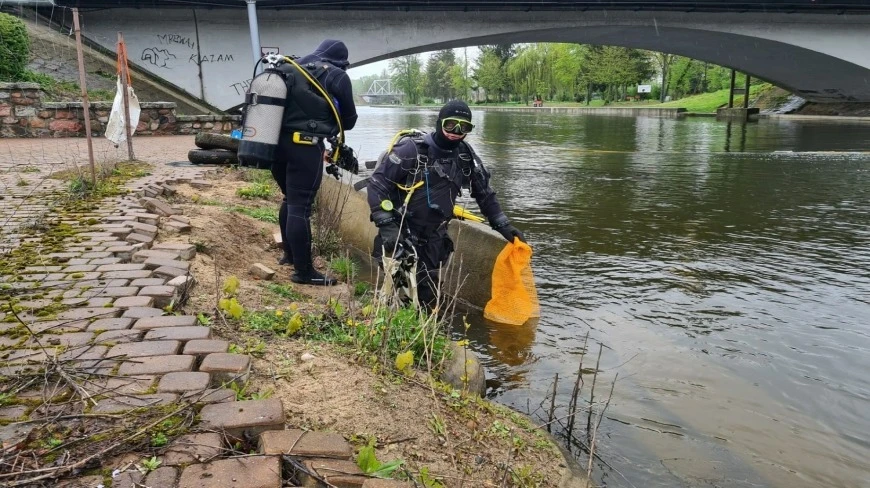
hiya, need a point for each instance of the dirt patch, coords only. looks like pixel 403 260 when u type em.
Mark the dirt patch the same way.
pixel 456 439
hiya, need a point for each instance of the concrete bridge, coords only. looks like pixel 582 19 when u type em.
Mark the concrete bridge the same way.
pixel 817 49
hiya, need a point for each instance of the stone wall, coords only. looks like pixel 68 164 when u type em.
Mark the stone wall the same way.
pixel 23 113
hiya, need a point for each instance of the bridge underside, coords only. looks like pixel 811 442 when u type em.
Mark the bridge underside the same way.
pixel 823 58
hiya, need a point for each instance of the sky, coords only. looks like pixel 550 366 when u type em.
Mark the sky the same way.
pixel 376 68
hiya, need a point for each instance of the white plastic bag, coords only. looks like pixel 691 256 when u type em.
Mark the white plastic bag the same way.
pixel 115 127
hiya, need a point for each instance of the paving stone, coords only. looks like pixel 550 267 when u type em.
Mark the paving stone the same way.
pixel 83 482
pixel 43 269
pixel 13 413
pixel 213 395
pixel 163 295
pixel 144 229
pixel 180 218
pixel 156 365
pixel 119 218
pixel 246 472
pixel 182 282
pixel 97 255
pixel 193 448
pixel 155 262
pixel 128 479
pixel 184 382
pixel 337 472
pixel 140 239
pixel 120 267
pixel 140 282
pixel 103 283
pixel 187 333
pixel 137 301
pixel 68 339
pixel 184 251
pixel 123 252
pixel 169 272
pixel 142 349
pixel 112 291
pixel 86 357
pixel 200 184
pixel 89 313
pixel 80 268
pixel 110 324
pixel 142 312
pixel 162 477
pixel 129 402
pixel 145 254
pixel 261 272
pixel 225 367
pixel 305 444
pixel 174 227
pixel 103 261
pixel 165 321
pixel 127 275
pixel 248 418
pixel 158 207
pixel 134 385
pixel 119 336
pixel 201 347
pixel 147 218
pixel 59 326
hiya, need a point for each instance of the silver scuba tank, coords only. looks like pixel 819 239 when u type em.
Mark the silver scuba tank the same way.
pixel 264 112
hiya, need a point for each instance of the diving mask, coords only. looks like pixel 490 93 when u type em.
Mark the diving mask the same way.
pixel 456 126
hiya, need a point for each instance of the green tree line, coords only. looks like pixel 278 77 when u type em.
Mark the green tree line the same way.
pixel 553 72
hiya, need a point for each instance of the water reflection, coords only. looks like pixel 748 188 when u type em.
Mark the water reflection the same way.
pixel 725 268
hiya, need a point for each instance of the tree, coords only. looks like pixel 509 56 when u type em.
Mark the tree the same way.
pixel 407 75
pixel 489 73
pixel 438 79
pixel 504 53
pixel 14 48
pixel 531 71
pixel 664 62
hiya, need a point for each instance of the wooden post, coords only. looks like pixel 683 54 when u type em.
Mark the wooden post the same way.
pixel 86 106
pixel 125 77
pixel 731 89
pixel 746 93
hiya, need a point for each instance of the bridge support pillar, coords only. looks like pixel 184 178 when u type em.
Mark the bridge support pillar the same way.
pixel 738 114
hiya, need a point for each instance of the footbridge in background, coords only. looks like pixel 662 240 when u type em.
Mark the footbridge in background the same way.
pixel 817 49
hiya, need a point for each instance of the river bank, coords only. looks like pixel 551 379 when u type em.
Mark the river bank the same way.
pixel 318 377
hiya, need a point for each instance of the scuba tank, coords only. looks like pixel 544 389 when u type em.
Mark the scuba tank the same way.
pixel 286 100
pixel 264 112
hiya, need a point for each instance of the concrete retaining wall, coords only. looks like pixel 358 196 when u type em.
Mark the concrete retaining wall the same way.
pixel 23 113
pixel 617 111
pixel 477 245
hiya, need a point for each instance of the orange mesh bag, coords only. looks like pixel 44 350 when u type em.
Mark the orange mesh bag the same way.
pixel 514 296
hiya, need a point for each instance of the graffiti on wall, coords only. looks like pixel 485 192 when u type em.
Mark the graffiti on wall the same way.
pixel 210 58
pixel 157 57
pixel 176 39
pixel 242 86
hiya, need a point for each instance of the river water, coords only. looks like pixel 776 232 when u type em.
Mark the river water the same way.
pixel 724 268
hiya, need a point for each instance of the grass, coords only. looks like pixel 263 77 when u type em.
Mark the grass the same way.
pixel 59 91
pixel 262 190
pixel 709 102
pixel 264 214
pixel 284 291
pixel 346 268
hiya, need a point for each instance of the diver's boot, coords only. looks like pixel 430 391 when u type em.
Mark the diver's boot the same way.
pixel 313 277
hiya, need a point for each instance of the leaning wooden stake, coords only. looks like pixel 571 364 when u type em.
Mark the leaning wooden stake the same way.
pixel 86 106
pixel 125 81
pixel 552 404
pixel 578 387
pixel 592 392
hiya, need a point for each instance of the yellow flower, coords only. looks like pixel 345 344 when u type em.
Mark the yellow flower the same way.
pixel 279 313
pixel 404 360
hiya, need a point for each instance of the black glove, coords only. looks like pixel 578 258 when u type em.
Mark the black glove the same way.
pixel 389 234
pixel 509 232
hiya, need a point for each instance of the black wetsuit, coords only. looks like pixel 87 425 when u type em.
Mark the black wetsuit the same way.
pixel 431 205
pixel 299 168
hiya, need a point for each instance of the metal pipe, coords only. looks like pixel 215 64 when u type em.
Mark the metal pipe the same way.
pixel 254 28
